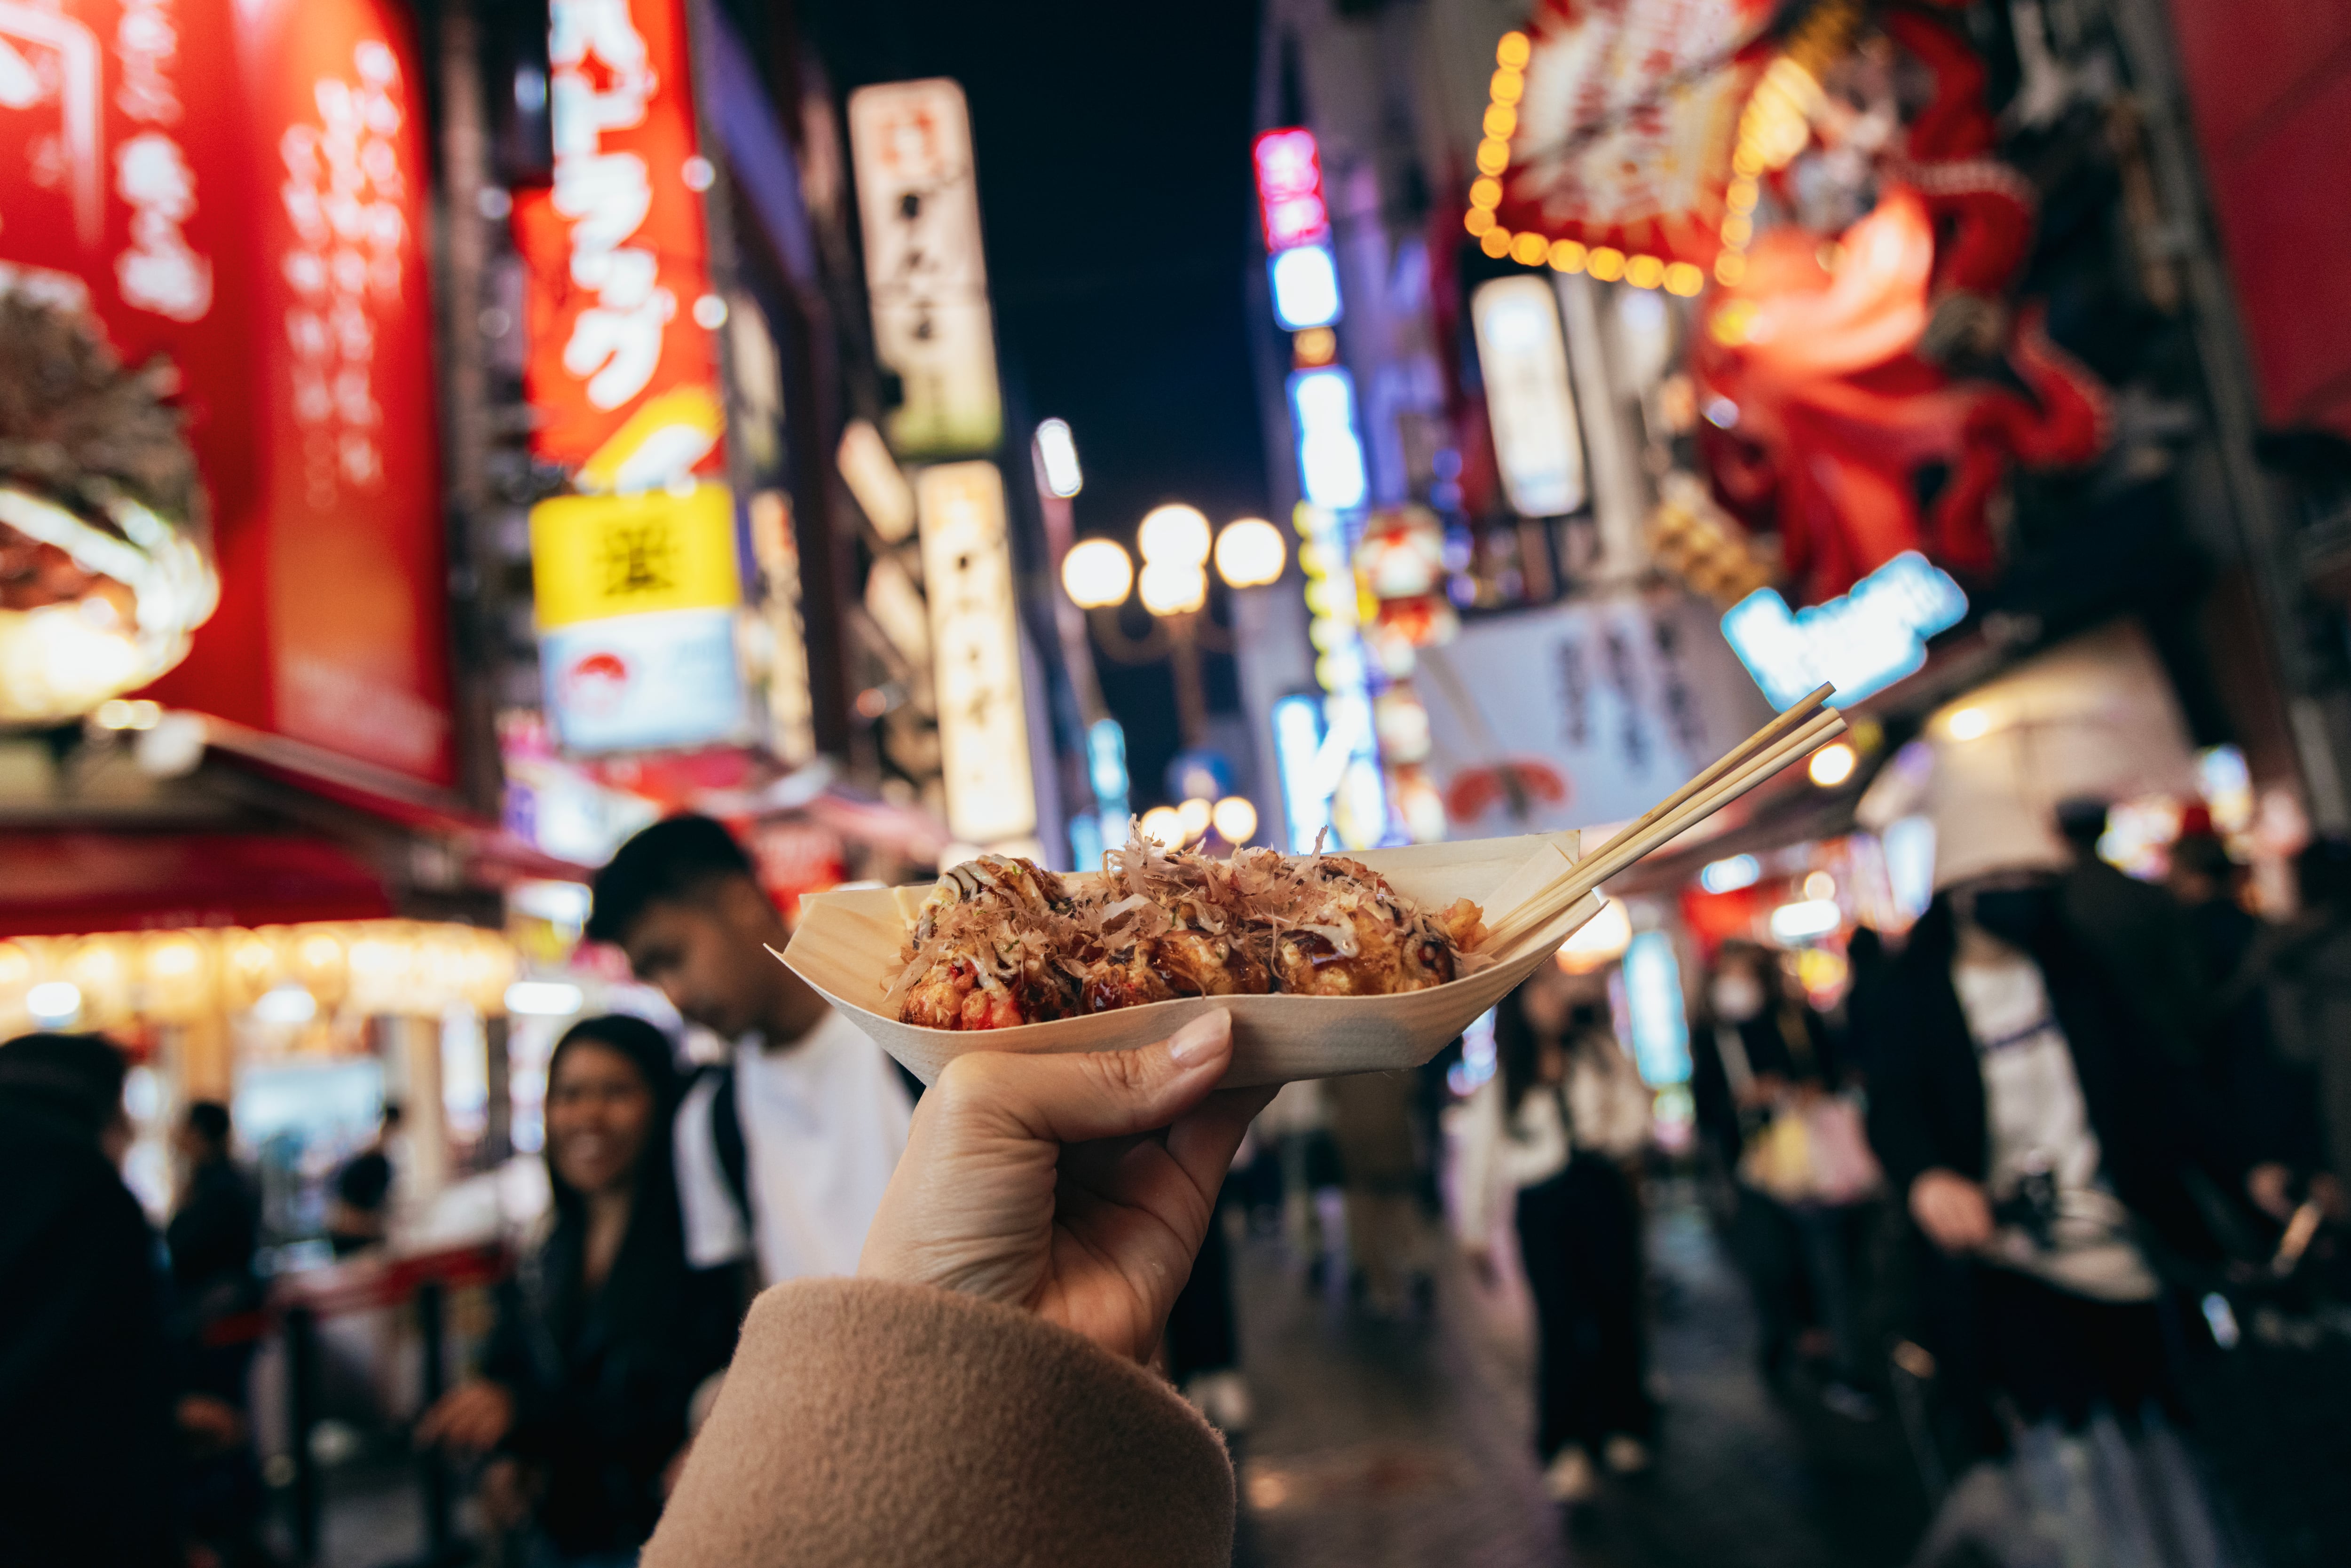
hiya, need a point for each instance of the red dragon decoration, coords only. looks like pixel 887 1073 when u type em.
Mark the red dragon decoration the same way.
pixel 1820 371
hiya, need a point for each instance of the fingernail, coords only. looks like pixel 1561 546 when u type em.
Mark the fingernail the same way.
pixel 1198 1037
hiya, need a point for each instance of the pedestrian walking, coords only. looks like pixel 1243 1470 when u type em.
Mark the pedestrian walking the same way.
pixel 1772 1091
pixel 216 1300
pixel 782 1155
pixel 88 1466
pixel 1380 1166
pixel 1551 1133
pixel 2036 1135
pixel 603 1340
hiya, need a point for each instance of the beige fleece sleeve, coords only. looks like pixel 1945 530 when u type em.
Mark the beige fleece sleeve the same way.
pixel 871 1423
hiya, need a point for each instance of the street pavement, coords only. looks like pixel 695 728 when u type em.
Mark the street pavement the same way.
pixel 1382 1444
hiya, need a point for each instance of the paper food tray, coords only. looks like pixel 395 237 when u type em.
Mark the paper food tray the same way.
pixel 848 943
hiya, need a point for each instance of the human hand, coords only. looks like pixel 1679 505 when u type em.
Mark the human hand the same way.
pixel 1038 1181
pixel 471 1417
pixel 1951 1210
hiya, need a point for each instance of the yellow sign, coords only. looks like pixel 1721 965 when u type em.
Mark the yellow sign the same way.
pixel 595 557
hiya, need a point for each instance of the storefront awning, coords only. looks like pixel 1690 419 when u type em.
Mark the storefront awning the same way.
pixel 62 883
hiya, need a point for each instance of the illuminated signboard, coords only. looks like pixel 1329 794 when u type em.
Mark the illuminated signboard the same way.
pixel 241 190
pixel 975 630
pixel 1090 832
pixel 1523 359
pixel 1660 1022
pixel 1862 643
pixel 1289 189
pixel 637 598
pixel 1305 287
pixel 1297 741
pixel 1329 454
pixel 918 202
pixel 623 369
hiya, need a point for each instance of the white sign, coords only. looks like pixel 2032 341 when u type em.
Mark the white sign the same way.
pixel 640 683
pixel 1583 714
pixel 919 204
pixel 975 630
pixel 1536 441
pixel 1863 643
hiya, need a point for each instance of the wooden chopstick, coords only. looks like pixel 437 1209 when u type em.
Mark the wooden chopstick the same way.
pixel 1784 724
pixel 1760 756
pixel 1803 719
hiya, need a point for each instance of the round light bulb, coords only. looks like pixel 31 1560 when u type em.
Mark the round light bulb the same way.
pixel 1195 815
pixel 1235 819
pixel 1162 824
pixel 1970 724
pixel 1832 765
pixel 1176 535
pixel 1251 553
pixel 1174 588
pixel 1097 573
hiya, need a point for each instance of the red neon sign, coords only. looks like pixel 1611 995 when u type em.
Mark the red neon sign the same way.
pixel 1289 189
pixel 240 188
pixel 616 248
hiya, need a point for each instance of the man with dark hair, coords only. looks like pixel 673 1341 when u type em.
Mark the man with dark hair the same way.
pixel 87 1468
pixel 783 1156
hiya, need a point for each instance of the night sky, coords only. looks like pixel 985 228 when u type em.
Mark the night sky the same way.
pixel 1112 146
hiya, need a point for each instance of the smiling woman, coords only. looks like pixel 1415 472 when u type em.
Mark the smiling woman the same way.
pixel 606 1335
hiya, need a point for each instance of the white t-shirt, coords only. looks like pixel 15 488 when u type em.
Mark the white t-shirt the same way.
pixel 2035 1121
pixel 824 1121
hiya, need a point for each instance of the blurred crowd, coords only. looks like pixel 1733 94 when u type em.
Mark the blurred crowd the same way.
pixel 1998 1196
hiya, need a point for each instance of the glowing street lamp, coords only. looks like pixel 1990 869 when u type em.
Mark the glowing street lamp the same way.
pixel 1251 553
pixel 1172 588
pixel 1097 574
pixel 1175 534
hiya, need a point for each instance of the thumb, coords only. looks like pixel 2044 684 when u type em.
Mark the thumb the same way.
pixel 1084 1095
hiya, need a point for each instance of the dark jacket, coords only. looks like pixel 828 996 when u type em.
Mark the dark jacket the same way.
pixel 602 1382
pixel 211 1239
pixel 87 1465
pixel 1926 1096
pixel 1787 1038
pixel 2140 938
pixel 212 1235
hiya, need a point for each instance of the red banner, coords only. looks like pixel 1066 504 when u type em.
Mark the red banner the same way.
pixel 241 187
pixel 623 369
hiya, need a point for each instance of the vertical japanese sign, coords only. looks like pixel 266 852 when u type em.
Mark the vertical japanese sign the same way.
pixel 339 283
pixel 240 187
pixel 622 368
pixel 975 632
pixel 918 202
